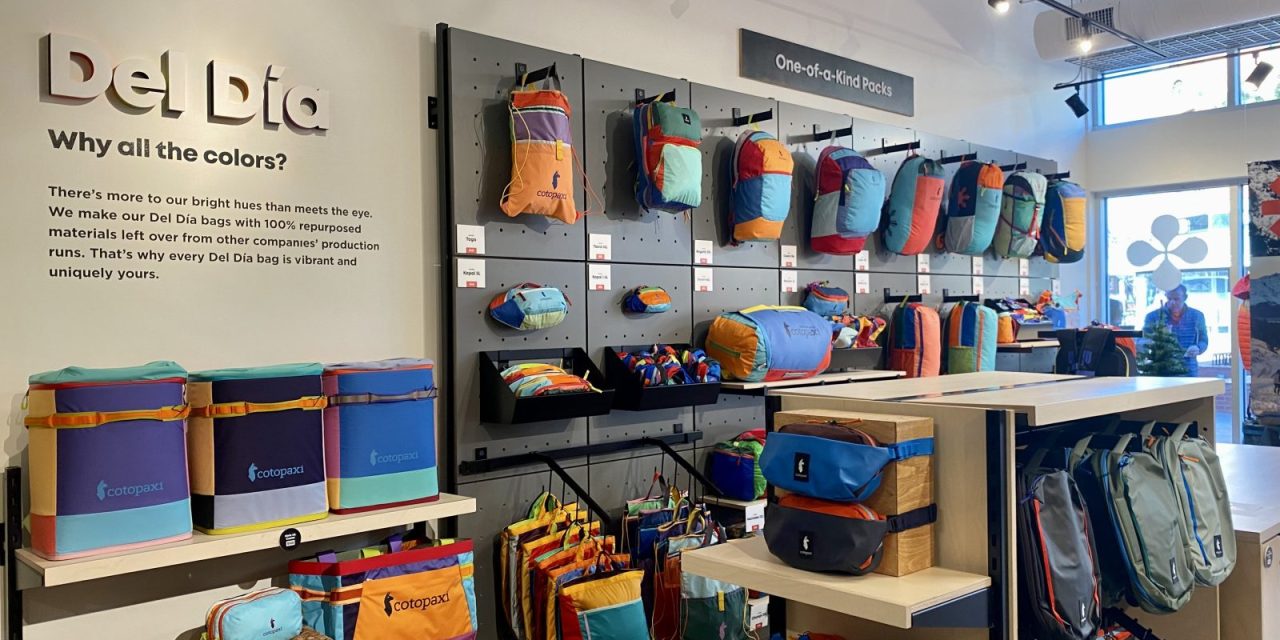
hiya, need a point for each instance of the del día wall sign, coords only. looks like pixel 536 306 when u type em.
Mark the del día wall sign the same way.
pixel 80 69
pixel 795 66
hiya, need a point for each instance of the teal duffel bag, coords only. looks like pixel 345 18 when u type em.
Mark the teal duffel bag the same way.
pixel 1196 475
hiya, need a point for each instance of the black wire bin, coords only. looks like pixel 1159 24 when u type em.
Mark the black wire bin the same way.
pixel 630 393
pixel 499 404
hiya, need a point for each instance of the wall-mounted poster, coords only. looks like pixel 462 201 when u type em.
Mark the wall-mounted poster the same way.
pixel 1264 295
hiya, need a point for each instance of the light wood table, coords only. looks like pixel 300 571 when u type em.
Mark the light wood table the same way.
pixel 925 387
pixel 1251 596
pixel 835 377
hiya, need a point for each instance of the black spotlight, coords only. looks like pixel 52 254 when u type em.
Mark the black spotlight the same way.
pixel 1077 105
pixel 1260 73
pixel 1001 6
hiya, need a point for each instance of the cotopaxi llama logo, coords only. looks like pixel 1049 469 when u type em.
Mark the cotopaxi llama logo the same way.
pixel 256 474
pixel 81 69
pixel 105 490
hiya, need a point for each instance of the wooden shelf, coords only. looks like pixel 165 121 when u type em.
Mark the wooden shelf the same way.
pixel 1086 398
pixel 883 599
pixel 923 387
pixel 733 504
pixel 1026 346
pixel 51 573
pixel 835 377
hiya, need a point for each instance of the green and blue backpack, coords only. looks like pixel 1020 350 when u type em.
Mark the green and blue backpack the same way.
pixel 668 161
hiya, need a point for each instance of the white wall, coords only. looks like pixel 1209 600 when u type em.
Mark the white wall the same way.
pixel 977 78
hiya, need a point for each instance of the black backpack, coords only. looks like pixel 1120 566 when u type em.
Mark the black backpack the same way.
pixel 1056 559
pixel 1093 352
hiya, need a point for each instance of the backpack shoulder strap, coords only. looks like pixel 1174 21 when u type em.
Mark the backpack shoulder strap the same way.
pixel 910 448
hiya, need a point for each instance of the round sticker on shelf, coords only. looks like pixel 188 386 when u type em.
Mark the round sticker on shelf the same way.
pixel 290 539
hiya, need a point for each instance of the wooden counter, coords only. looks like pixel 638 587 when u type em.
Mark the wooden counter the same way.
pixel 920 387
pixel 1251 596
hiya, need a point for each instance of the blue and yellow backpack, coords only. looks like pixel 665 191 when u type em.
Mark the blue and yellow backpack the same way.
pixel 1062 232
pixel 669 164
pixel 761 192
pixel 846 209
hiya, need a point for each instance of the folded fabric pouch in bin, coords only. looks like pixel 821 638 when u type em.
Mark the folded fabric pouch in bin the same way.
pixel 850 460
pixel 830 537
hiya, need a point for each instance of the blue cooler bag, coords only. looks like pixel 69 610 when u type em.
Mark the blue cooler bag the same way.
pixel 380 434
pixel 273 614
pixel 850 460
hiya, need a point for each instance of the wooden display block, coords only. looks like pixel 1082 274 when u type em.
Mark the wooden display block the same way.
pixel 904 485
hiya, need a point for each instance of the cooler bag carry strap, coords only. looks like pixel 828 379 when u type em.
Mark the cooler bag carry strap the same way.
pixel 376 398
pixel 913 519
pixel 242 408
pixel 86 419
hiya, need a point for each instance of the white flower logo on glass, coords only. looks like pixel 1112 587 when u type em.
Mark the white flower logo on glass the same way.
pixel 1165 230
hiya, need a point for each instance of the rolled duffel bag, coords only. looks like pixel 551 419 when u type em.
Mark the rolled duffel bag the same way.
pixel 770 343
pixel 833 537
pixel 849 460
pixel 380 434
pixel 107 459
pixel 402 590
pixel 256 444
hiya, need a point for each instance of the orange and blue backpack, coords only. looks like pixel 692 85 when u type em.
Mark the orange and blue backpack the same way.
pixel 669 164
pixel 541 152
pixel 911 214
pixel 971 338
pixel 973 208
pixel 846 208
pixel 914 345
pixel 761 192
pixel 1062 232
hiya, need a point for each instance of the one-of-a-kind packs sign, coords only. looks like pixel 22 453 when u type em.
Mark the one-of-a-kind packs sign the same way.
pixel 795 66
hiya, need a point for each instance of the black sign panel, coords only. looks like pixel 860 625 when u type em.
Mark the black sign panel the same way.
pixel 795 66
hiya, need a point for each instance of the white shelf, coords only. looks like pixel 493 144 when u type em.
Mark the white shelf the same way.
pixel 733 504
pixel 1253 482
pixel 875 597
pixel 834 377
pixel 51 573
pixel 1026 346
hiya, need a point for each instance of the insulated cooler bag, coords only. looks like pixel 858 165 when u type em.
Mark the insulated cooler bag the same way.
pixel 971 338
pixel 256 444
pixel 267 614
pixel 107 459
pixel 770 343
pixel 411 590
pixel 379 434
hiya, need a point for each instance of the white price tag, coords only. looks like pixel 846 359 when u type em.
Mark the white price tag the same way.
pixel 601 246
pixel 923 286
pixel 979 286
pixel 862 261
pixel 471 239
pixel 702 282
pixel 754 516
pixel 600 277
pixel 702 251
pixel 1024 267
pixel 978 261
pixel 1024 287
pixel 862 283
pixel 1057 287
pixel 922 263
pixel 790 281
pixel 470 273
pixel 788 256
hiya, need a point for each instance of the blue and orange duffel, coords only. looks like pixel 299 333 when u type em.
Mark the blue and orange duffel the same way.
pixel 380 434
pixel 770 343
pixel 256 447
pixel 108 459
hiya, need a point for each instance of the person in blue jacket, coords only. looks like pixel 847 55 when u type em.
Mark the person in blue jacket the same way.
pixel 1187 325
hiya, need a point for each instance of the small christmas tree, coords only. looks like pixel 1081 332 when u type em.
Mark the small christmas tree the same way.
pixel 1162 355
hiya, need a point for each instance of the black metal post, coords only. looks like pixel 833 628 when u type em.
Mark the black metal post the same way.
pixel 998 519
pixel 12 542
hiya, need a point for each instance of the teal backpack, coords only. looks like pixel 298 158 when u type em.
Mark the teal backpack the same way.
pixel 668 161
pixel 1196 475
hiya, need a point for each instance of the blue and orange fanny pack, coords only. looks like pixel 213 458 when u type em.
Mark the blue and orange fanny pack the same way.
pixel 851 461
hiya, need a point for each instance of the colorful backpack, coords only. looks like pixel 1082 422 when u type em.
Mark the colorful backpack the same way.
pixel 1021 210
pixel 669 164
pixel 825 300
pixel 529 306
pixel 915 341
pixel 973 208
pixel 912 210
pixel 734 466
pixel 1062 233
pixel 541 152
pixel 971 338
pixel 646 299
pixel 846 209
pixel 770 343
pixel 761 192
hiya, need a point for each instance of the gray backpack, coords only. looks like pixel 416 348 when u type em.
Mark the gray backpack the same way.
pixel 1147 514
pixel 1196 475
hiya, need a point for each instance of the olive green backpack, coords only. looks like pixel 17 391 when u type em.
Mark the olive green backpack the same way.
pixel 1196 475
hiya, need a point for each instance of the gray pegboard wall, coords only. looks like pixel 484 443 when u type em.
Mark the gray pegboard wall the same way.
pixel 481 77
pixel 842 279
pixel 719 134
pixel 796 126
pixel 637 235
pixel 733 288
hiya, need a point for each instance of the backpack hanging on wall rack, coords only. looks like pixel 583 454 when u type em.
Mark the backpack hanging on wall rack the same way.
pixel 973 208
pixel 668 161
pixel 541 152
pixel 761 192
pixel 1062 232
pixel 911 213
pixel 1021 212
pixel 849 194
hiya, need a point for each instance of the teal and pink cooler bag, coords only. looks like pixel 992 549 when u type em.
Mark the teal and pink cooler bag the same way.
pixel 846 208
pixel 911 214
pixel 107 459
pixel 379 434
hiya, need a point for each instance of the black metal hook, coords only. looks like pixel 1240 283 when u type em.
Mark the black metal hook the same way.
pixel 1017 166
pixel 966 157
pixel 819 136
pixel 681 462
pixel 890 297
pixel 897 148
pixel 740 120
pixel 1058 176
pixel 947 297
pixel 529 77
pixel 669 96
pixel 606 521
